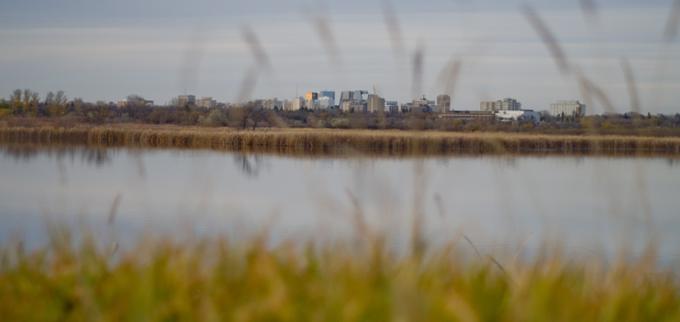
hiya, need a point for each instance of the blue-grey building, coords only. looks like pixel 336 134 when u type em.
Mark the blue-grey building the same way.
pixel 330 95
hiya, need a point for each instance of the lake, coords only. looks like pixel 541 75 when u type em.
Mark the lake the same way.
pixel 590 205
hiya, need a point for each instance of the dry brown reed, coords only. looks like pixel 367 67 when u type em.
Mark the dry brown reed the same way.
pixel 334 142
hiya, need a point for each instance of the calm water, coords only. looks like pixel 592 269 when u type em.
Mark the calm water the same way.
pixel 589 204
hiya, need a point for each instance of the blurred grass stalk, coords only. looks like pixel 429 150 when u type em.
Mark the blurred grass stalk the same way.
pixel 217 279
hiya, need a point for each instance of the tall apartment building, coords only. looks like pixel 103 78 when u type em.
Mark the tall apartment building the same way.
pixel 421 104
pixel 311 100
pixel 310 96
pixel 392 106
pixel 324 102
pixel 295 104
pixel 376 104
pixel 354 106
pixel 346 96
pixel 359 95
pixel 443 103
pixel 353 101
pixel 328 94
pixel 567 108
pixel 506 104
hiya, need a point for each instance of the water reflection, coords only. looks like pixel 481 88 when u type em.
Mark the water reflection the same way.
pixel 90 155
pixel 250 165
pixel 589 201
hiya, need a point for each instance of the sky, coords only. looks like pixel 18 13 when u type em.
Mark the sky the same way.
pixel 106 50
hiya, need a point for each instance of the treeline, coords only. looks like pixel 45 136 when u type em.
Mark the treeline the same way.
pixel 25 107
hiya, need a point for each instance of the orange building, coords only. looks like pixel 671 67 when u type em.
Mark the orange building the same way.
pixel 311 96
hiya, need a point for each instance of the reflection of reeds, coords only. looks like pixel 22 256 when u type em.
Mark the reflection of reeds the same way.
pixel 214 279
pixel 329 142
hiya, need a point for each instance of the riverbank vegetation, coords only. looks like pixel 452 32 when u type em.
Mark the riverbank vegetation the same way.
pixel 325 141
pixel 218 280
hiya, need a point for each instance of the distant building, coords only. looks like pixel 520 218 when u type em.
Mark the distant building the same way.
pixel 311 100
pixel 506 104
pixel 392 106
pixel 356 95
pixel 421 104
pixel 376 104
pixel 360 95
pixel 330 95
pixel 134 101
pixel 186 100
pixel 346 96
pixel 311 96
pixel 353 101
pixel 521 115
pixel 325 102
pixel 468 115
pixel 313 104
pixel 354 106
pixel 346 105
pixel 273 104
pixel 443 103
pixel 295 104
pixel 206 102
pixel 567 108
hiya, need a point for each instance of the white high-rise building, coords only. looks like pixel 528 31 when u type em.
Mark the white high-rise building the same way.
pixel 329 95
pixel 325 102
pixel 443 103
pixel 567 108
pixel 506 104
pixel 296 104
pixel 376 104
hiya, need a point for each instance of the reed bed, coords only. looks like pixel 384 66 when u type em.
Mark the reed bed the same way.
pixel 322 141
pixel 219 280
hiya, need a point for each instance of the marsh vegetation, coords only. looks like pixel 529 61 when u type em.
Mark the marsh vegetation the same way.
pixel 321 141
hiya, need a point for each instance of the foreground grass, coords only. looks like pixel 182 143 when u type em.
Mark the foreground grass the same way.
pixel 322 141
pixel 212 280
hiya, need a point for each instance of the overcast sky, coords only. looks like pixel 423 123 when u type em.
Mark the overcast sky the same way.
pixel 105 50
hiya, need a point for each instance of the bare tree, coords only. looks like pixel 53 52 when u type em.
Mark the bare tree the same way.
pixel 49 98
pixel 61 98
pixel 30 101
pixel 55 103
pixel 15 102
pixel 4 104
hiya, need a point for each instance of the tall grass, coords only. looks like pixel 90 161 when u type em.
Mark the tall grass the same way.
pixel 215 280
pixel 320 141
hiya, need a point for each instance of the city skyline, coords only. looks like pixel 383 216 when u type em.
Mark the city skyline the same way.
pixel 205 54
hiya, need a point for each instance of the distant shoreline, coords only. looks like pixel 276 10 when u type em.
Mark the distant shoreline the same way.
pixel 336 141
